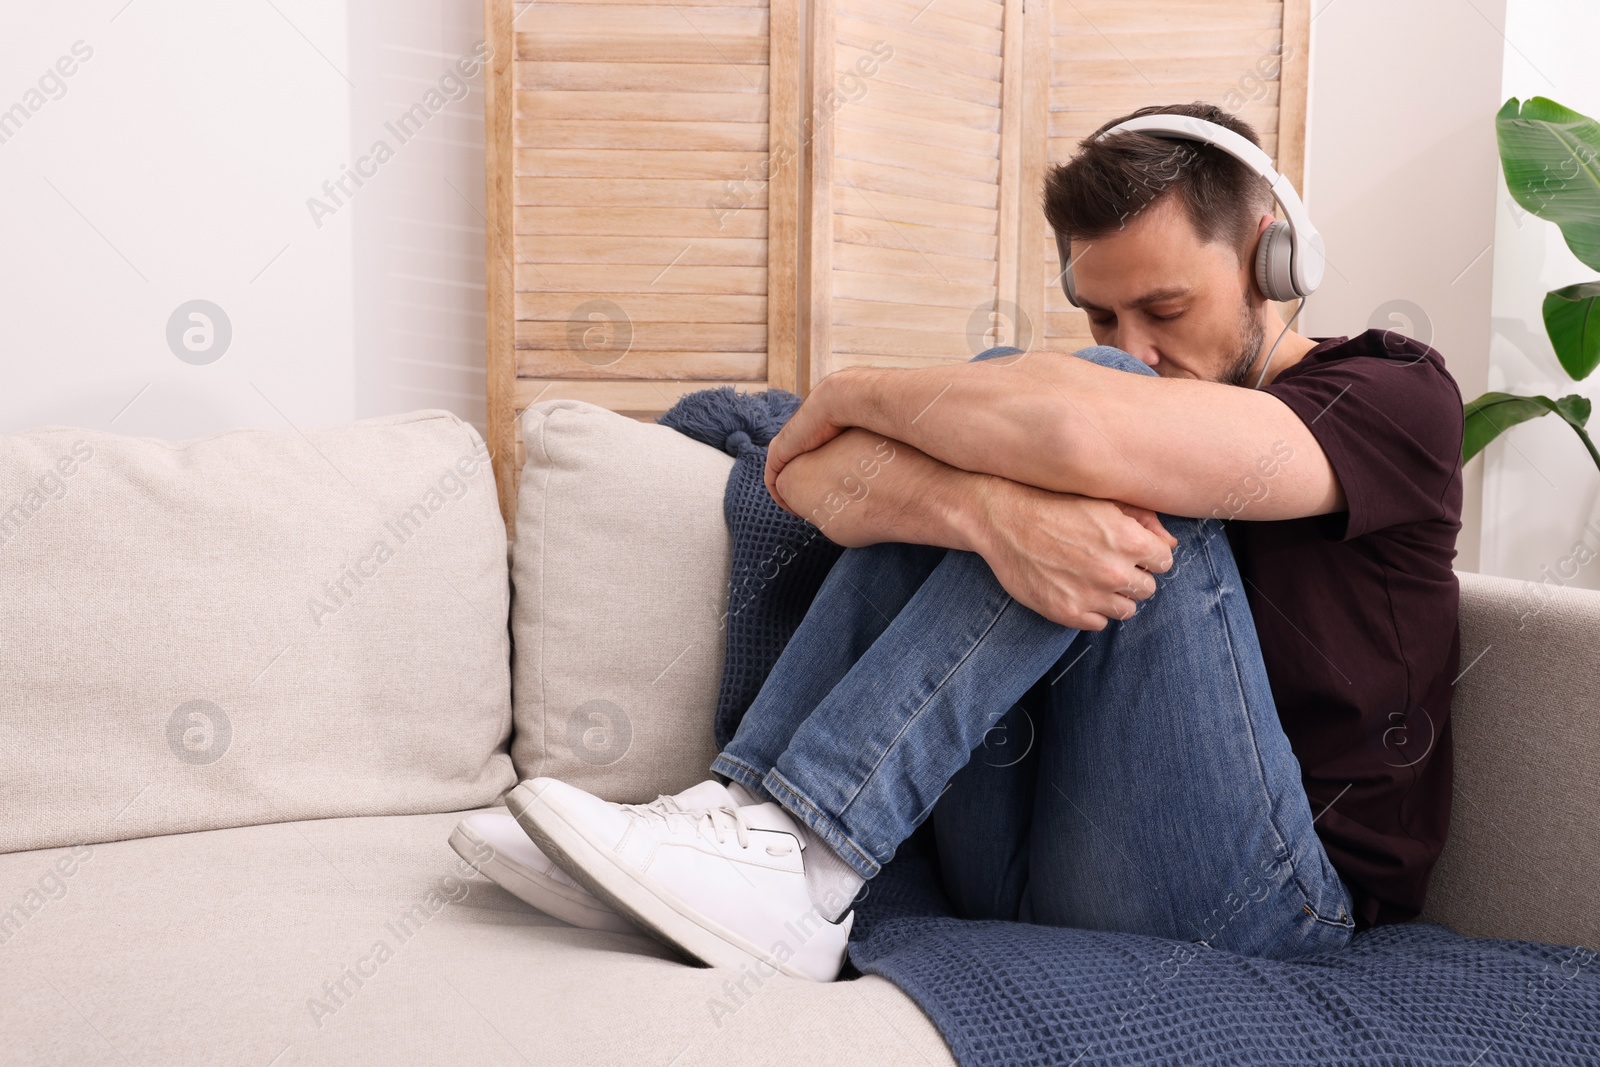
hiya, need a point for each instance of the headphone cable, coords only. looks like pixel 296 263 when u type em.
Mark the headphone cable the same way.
pixel 1281 334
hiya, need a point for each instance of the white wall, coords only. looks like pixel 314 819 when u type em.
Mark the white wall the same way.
pixel 1541 490
pixel 1401 171
pixel 175 164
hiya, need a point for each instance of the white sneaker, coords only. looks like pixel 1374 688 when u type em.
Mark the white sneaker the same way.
pixel 725 899
pixel 503 852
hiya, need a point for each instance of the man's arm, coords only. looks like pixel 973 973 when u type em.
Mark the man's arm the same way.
pixel 1047 419
pixel 1076 561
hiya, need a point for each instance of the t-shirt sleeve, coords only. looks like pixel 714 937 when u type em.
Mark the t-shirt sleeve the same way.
pixel 1390 423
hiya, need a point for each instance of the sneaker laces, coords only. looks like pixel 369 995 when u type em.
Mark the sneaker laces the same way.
pixel 667 808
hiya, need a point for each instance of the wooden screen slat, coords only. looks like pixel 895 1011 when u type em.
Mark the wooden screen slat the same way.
pixel 635 164
pixel 657 336
pixel 645 307
pixel 783 197
pixel 914 210
pixel 1153 48
pixel 707 251
pixel 880 341
pixel 683 107
pixel 691 222
pixel 500 418
pixel 643 77
pixel 856 33
pixel 644 135
pixel 1171 18
pixel 916 129
pixel 609 48
pixel 894 16
pixel 1032 277
pixel 868 258
pixel 848 311
pixel 850 144
pixel 1003 327
pixel 643 365
pixel 649 277
pixel 932 240
pixel 910 72
pixel 915 181
pixel 634 20
pixel 816 321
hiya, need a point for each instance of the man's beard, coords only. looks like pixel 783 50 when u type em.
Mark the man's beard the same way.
pixel 1252 334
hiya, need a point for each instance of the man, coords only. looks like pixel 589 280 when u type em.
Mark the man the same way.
pixel 1241 741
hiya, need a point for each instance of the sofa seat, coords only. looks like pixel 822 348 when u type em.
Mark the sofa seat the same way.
pixel 227 946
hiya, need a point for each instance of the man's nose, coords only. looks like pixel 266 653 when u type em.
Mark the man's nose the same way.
pixel 1139 345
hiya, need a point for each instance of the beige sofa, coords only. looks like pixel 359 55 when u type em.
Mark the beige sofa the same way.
pixel 234 741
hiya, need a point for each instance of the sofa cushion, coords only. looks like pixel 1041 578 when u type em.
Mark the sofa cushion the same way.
pixel 620 579
pixel 367 941
pixel 252 627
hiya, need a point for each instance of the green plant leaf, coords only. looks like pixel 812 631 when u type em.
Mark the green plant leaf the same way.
pixel 1551 158
pixel 1492 414
pixel 1572 319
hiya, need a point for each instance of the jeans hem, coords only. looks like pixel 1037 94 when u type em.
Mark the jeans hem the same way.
pixel 802 808
pixel 741 772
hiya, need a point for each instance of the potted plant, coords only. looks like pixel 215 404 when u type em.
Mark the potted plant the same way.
pixel 1551 158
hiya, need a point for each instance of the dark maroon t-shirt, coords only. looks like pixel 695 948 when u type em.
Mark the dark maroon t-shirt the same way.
pixel 1356 611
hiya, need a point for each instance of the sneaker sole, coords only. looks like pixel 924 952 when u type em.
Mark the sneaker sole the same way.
pixel 527 886
pixel 668 919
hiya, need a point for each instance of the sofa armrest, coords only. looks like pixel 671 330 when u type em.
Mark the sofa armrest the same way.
pixel 1524 842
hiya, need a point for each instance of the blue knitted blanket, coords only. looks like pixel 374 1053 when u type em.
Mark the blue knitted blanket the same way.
pixel 1018 993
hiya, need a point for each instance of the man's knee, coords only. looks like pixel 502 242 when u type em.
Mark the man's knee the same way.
pixel 996 353
pixel 1203 577
pixel 1103 355
pixel 1115 358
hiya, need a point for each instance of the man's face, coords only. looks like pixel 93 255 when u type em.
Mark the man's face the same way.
pixel 1156 291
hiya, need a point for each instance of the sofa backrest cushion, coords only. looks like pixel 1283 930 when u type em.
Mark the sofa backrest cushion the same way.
pixel 620 582
pixel 1524 840
pixel 254 627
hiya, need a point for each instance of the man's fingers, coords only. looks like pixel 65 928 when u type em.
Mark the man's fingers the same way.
pixel 770 476
pixel 1156 556
pixel 1089 620
pixel 1147 518
pixel 1142 586
pixel 1121 607
pixel 1157 563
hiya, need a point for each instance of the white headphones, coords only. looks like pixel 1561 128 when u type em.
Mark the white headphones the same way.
pixel 1291 256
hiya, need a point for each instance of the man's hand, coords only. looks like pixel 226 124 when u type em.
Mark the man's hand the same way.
pixel 808 429
pixel 1076 560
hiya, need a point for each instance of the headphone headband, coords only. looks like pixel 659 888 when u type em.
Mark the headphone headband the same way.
pixel 1306 261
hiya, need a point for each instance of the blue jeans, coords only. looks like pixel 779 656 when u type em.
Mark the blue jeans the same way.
pixel 1133 779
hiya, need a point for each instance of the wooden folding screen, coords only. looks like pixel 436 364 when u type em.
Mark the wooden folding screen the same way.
pixel 675 202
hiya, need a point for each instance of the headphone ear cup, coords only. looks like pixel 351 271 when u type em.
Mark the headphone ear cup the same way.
pixel 1274 253
pixel 1064 253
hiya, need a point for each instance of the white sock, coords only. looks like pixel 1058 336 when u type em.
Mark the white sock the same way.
pixel 741 794
pixel 832 883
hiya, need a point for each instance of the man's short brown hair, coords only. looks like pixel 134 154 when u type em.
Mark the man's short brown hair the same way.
pixel 1111 181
